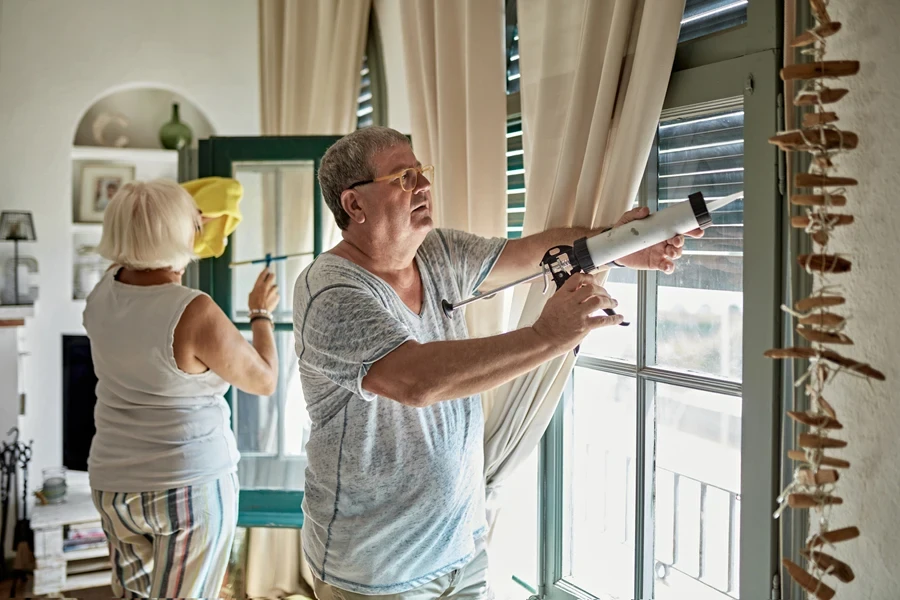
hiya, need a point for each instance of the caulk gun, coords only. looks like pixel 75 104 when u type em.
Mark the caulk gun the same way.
pixel 587 254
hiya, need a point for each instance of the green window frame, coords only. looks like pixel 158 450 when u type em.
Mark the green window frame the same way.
pixel 219 156
pixel 712 72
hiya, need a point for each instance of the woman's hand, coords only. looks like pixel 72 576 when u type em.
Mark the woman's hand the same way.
pixel 264 295
pixel 659 256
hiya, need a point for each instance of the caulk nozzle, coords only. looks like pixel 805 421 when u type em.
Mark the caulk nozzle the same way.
pixel 719 203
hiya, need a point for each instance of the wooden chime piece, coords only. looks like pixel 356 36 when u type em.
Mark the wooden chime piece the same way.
pixel 824 337
pixel 818 302
pixel 815 180
pixel 824 263
pixel 832 537
pixel 819 477
pixel 820 11
pixel 818 200
pixel 819 442
pixel 810 501
pixel 827 409
pixel 829 355
pixel 822 319
pixel 834 220
pixel 821 96
pixel 815 140
pixel 819 118
pixel 807 581
pixel 825 68
pixel 830 564
pixel 811 37
pixel 825 461
pixel 813 420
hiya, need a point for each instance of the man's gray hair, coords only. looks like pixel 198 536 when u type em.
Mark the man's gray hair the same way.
pixel 349 161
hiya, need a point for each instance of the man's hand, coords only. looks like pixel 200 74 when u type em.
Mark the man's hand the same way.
pixel 659 256
pixel 568 315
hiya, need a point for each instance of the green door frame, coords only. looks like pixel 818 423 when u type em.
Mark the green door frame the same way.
pixel 217 156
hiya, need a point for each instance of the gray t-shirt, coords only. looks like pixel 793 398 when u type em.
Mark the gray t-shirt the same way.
pixel 394 495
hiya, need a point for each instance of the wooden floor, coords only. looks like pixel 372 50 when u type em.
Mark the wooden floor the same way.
pixel 24 591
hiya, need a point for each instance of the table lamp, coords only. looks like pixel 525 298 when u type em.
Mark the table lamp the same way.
pixel 16 226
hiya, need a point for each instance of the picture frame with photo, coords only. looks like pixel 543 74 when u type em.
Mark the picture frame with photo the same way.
pixel 99 183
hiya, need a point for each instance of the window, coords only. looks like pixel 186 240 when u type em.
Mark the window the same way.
pixel 515 153
pixel 364 110
pixel 371 105
pixel 702 17
pixel 656 473
pixel 666 411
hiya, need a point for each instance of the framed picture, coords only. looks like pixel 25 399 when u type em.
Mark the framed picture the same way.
pixel 99 183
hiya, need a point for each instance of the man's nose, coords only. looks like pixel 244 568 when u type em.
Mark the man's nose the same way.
pixel 422 183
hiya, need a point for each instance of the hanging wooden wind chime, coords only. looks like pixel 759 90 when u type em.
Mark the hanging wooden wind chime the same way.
pixel 818 318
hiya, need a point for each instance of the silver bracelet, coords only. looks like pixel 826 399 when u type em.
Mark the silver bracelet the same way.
pixel 261 312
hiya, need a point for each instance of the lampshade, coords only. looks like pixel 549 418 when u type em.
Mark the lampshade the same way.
pixel 17 225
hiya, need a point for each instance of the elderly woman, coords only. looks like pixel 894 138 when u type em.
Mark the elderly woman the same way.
pixel 163 463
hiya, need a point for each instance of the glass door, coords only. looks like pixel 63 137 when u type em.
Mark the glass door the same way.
pixel 283 218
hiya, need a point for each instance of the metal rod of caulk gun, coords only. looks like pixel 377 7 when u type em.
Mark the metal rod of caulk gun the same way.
pixel 449 307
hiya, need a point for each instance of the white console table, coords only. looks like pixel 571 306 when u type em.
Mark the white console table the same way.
pixel 57 571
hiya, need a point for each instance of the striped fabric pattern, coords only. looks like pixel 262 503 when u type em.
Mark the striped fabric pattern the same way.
pixel 173 543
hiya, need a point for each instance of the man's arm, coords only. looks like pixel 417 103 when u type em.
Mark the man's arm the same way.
pixel 523 256
pixel 422 374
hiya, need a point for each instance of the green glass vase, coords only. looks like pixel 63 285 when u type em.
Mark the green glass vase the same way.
pixel 175 135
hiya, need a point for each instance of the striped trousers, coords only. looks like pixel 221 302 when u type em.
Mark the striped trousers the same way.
pixel 170 544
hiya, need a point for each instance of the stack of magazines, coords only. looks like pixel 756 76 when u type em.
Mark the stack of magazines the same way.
pixel 83 536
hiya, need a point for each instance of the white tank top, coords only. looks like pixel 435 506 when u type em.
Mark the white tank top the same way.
pixel 157 427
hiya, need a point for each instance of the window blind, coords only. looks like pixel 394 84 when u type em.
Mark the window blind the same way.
pixel 364 109
pixel 706 154
pixel 702 17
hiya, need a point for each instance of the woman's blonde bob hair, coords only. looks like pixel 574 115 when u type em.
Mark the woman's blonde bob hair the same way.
pixel 150 225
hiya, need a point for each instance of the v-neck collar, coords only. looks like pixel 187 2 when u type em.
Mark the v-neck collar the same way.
pixel 423 277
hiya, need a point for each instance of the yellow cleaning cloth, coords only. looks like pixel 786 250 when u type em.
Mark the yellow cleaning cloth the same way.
pixel 218 198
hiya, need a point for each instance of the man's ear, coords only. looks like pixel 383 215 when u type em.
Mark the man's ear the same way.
pixel 350 203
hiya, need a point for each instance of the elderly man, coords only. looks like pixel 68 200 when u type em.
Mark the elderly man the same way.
pixel 394 499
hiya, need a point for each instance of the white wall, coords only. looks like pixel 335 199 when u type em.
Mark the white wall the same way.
pixel 871 413
pixel 56 58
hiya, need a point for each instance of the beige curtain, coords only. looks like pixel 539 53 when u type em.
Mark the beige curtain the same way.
pixel 593 78
pixel 310 56
pixel 456 71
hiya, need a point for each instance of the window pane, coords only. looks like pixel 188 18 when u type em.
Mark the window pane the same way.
pixel 699 316
pixel 599 485
pixel 277 211
pixel 617 342
pixel 697 495
pixel 272 431
pixel 702 17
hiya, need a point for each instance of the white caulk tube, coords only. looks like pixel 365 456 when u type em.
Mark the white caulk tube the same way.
pixel 632 237
pixel 618 242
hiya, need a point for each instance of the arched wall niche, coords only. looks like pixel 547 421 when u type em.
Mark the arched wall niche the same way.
pixel 131 117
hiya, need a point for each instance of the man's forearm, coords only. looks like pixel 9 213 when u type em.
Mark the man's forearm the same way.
pixel 521 257
pixel 423 374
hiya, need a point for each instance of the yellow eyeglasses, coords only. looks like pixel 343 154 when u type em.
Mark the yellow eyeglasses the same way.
pixel 409 178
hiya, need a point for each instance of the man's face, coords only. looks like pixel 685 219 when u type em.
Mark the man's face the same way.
pixel 389 209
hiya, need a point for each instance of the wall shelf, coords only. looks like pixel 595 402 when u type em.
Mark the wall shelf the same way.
pixel 126 155
pixel 11 313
